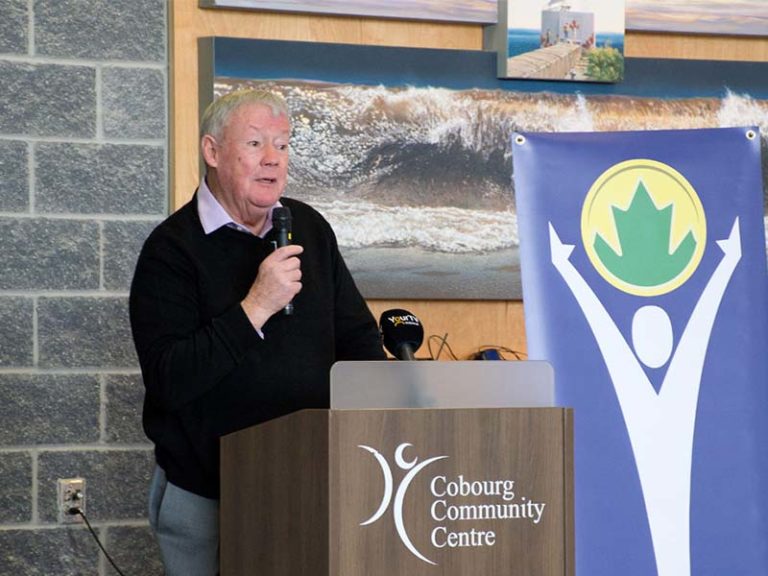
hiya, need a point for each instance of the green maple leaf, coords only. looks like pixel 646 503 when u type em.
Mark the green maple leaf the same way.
pixel 644 233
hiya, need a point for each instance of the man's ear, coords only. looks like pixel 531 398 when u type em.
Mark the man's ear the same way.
pixel 209 150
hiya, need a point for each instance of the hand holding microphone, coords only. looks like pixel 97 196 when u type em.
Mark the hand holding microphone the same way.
pixel 283 224
pixel 278 279
pixel 402 333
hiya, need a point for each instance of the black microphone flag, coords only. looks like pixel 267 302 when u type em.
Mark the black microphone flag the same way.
pixel 402 333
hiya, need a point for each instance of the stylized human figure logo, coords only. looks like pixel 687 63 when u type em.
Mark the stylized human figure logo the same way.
pixel 644 230
pixel 413 468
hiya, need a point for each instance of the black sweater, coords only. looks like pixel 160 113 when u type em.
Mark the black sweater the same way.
pixel 206 370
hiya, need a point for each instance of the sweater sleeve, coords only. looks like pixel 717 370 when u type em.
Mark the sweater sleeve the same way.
pixel 182 355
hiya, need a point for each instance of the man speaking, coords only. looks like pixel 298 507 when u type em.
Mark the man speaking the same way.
pixel 217 352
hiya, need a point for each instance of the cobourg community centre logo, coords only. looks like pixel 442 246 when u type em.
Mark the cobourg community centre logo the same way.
pixel 450 496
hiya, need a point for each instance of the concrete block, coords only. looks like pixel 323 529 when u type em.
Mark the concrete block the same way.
pixel 14 168
pixel 14 27
pixel 16 335
pixel 134 102
pixel 101 29
pixel 85 332
pixel 61 551
pixel 100 179
pixel 47 99
pixel 122 244
pixel 41 253
pixel 16 495
pixel 48 409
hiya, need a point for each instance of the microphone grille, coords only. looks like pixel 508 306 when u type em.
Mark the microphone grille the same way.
pixel 281 218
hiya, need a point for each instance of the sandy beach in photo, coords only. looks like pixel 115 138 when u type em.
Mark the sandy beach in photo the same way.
pixel 413 273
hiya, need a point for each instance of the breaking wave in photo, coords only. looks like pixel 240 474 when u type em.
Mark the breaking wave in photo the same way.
pixel 432 167
pixel 417 182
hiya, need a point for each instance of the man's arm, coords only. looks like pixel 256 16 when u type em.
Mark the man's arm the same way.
pixel 182 356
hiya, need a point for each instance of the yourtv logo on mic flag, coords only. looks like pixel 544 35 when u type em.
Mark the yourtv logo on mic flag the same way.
pixel 644 283
pixel 404 320
pixel 463 510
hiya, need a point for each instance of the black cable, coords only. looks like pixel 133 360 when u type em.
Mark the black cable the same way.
pixel 432 355
pixel 74 511
pixel 443 344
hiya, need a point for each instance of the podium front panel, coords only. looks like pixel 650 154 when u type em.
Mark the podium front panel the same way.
pixel 451 492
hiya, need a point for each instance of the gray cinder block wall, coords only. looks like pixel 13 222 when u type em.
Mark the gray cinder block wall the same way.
pixel 83 179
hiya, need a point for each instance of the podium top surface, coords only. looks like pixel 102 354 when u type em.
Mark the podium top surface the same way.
pixel 461 384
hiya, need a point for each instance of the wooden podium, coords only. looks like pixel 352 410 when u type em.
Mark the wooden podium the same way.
pixel 450 491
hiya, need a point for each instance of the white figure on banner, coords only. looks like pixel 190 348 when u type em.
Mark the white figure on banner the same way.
pixel 660 425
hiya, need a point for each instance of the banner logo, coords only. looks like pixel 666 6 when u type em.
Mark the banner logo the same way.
pixel 644 274
pixel 643 227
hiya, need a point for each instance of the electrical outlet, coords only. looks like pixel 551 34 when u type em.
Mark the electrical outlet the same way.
pixel 71 492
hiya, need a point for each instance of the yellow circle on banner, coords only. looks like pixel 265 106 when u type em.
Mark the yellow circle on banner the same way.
pixel 643 227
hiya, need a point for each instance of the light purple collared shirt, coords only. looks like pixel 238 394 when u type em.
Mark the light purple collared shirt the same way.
pixel 213 216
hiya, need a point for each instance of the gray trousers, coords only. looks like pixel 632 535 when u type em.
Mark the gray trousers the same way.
pixel 186 527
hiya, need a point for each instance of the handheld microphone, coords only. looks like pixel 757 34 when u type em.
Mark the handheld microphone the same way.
pixel 281 220
pixel 402 333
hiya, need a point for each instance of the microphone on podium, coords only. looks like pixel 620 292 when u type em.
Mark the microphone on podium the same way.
pixel 402 333
pixel 282 221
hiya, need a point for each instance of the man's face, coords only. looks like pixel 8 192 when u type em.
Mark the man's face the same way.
pixel 250 162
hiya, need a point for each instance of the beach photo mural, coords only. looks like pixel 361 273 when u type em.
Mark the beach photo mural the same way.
pixel 575 40
pixel 407 151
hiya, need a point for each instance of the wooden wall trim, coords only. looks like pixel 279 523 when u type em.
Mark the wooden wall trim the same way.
pixel 696 47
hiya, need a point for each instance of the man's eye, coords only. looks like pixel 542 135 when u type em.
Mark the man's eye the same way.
pixel 282 146
pixel 255 143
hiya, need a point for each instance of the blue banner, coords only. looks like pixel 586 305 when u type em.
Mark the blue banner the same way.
pixel 644 283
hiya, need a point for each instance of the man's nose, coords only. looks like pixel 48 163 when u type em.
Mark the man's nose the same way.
pixel 271 156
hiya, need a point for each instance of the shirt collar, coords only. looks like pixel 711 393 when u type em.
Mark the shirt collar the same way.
pixel 213 216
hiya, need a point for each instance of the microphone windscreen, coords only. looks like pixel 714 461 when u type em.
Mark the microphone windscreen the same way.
pixel 281 218
pixel 400 328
